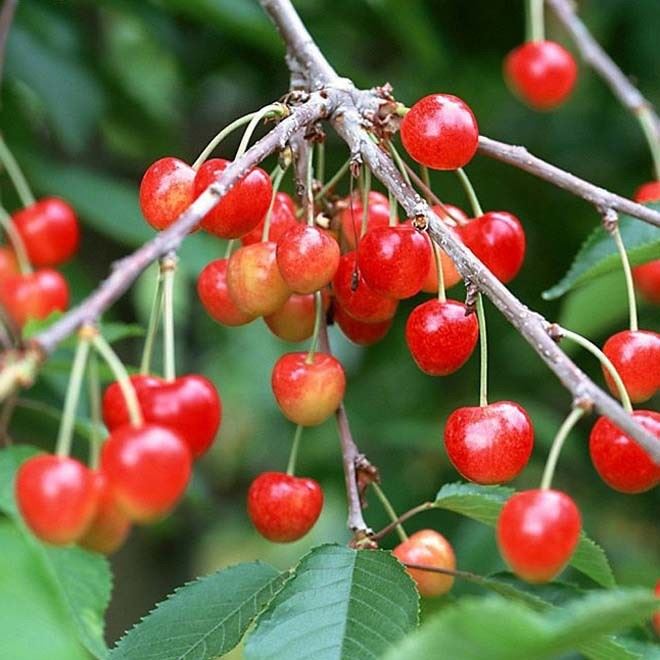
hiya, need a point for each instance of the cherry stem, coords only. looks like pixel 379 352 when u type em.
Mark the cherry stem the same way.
pixel 230 247
pixel 400 163
pixel 425 176
pixel 318 318
pixel 647 122
pixel 332 182
pixel 168 271
pixel 154 320
pixel 309 186
pixel 425 506
pixel 277 180
pixel 570 421
pixel 15 174
pixel 366 189
pixel 605 361
pixel 394 220
pixel 65 435
pixel 16 242
pixel 535 22
pixel 273 110
pixel 390 511
pixel 470 192
pixel 320 161
pixel 627 272
pixel 293 455
pixel 94 410
pixel 483 353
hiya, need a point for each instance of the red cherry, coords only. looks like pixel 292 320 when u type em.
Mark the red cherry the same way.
pixel 147 468
pixel 450 275
pixel 166 191
pixel 307 258
pixel 636 356
pixel 498 239
pixel 214 294
pixel 537 531
pixel 189 405
pixel 378 215
pixel 294 321
pixel 50 232
pixel 282 507
pixel 357 298
pixel 441 132
pixel 489 444
pixel 441 336
pixel 8 263
pixel 648 192
pixel 647 280
pixel 242 208
pixel 110 526
pixel 254 280
pixel 621 463
pixel 656 616
pixel 428 548
pixel 394 261
pixel 34 295
pixel 359 332
pixel 56 497
pixel 282 218
pixel 542 73
pixel 308 393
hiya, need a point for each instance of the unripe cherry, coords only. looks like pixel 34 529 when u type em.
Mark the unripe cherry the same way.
pixel 213 292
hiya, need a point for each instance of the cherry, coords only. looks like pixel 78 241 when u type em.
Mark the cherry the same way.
pixel 441 132
pixel 254 280
pixel 307 258
pixel 441 336
pixel 498 239
pixel 621 463
pixel 283 508
pixel 428 548
pixel 357 298
pixel 450 275
pixel 56 497
pixel 648 192
pixel 147 468
pixel 394 261
pixel 282 218
pixel 647 280
pixel 188 405
pixel 8 263
pixel 636 356
pixel 166 191
pixel 110 526
pixel 656 616
pixel 34 295
pixel 537 531
pixel 214 294
pixel 50 232
pixel 294 321
pixel 308 392
pixel 378 215
pixel 489 444
pixel 359 332
pixel 542 73
pixel 242 208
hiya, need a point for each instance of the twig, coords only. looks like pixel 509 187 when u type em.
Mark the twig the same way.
pixel 425 506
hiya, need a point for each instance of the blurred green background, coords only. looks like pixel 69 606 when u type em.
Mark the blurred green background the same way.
pixel 94 91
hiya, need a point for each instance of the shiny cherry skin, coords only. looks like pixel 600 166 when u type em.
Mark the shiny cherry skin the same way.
pixel 489 444
pixel 441 336
pixel 498 239
pixel 242 208
pixel 283 508
pixel 542 73
pixel 308 392
pixel 440 131
pixel 50 232
pixel 378 215
pixel 189 405
pixel 636 356
pixel 537 532
pixel 451 276
pixel 148 469
pixel 110 526
pixel 166 191
pixel 56 497
pixel 307 258
pixel 621 463
pixel 254 280
pixel 394 261
pixel 647 280
pixel 213 292
pixel 357 298
pixel 648 192
pixel 428 548
pixel 34 296
pixel 282 218
pixel 363 334
pixel 294 321
pixel 8 263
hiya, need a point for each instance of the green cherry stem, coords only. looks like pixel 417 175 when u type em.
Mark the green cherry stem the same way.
pixel 271 110
pixel 277 180
pixel 16 242
pixel 647 122
pixel 309 187
pixel 535 21
pixel 15 174
pixel 318 318
pixel 168 271
pixel 65 435
pixel 332 182
pixel 570 421
pixel 483 353
pixel 389 509
pixel 437 257
pixel 229 247
pixel 425 176
pixel 293 455
pixel 366 189
pixel 320 161
pixel 627 273
pixel 400 163
pixel 94 383
pixel 394 220
pixel 152 328
pixel 470 192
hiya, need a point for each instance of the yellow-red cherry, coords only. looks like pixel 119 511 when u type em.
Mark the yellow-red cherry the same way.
pixel 282 218
pixel 294 321
pixel 214 294
pixel 34 295
pixel 8 263
pixel 454 220
pixel 378 215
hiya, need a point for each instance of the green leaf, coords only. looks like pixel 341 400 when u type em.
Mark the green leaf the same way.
pixel 205 618
pixel 341 604
pixel 10 460
pixel 495 628
pixel 483 503
pixel 598 254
